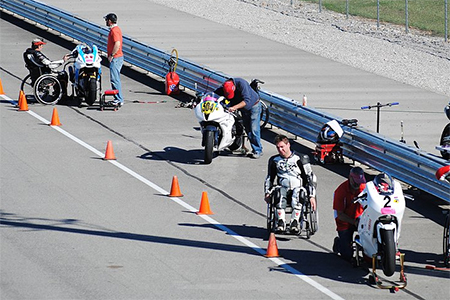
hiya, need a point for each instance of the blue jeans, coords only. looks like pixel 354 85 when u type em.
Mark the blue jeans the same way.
pixel 252 120
pixel 346 243
pixel 114 69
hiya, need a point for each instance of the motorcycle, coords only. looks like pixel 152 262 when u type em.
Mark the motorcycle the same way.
pixel 85 74
pixel 380 225
pixel 220 128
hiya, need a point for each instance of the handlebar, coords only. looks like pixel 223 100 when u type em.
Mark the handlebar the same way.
pixel 360 198
pixel 254 84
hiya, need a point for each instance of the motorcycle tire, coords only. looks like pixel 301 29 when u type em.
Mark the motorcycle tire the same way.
pixel 91 92
pixel 388 252
pixel 445 140
pixel 237 143
pixel 209 146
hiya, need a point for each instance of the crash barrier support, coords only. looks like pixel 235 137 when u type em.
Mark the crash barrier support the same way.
pixel 408 164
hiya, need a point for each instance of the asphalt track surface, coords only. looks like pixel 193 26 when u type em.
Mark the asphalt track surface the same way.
pixel 74 226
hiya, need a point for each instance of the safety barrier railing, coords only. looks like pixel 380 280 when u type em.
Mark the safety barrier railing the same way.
pixel 406 163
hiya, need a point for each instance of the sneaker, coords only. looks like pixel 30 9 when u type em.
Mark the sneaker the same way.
pixel 294 226
pixel 256 155
pixel 281 226
pixel 115 102
pixel 336 245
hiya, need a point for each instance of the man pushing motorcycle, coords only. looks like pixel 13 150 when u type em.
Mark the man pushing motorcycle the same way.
pixel 243 98
pixel 297 182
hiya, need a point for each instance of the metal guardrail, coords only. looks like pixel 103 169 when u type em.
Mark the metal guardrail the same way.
pixel 408 164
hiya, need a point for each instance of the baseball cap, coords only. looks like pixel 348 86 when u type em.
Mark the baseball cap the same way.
pixel 228 89
pixel 38 42
pixel 358 175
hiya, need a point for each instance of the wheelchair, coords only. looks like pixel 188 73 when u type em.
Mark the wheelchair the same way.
pixel 309 219
pixel 47 88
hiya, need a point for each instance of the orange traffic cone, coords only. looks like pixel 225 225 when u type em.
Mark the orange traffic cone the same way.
pixel 204 205
pixel 20 98
pixel 55 118
pixel 23 105
pixel 272 249
pixel 109 154
pixel 1 88
pixel 175 189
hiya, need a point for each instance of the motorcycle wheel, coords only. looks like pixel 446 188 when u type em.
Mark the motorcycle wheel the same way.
pixel 209 145
pixel 388 252
pixel 91 93
pixel 47 89
pixel 445 140
pixel 237 143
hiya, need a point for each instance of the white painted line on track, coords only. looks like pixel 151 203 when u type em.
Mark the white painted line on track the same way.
pixel 207 218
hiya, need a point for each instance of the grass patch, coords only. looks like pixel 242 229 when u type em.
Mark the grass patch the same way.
pixel 426 15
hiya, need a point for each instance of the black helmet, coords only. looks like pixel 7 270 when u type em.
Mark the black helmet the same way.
pixel 112 17
pixel 447 110
pixel 384 184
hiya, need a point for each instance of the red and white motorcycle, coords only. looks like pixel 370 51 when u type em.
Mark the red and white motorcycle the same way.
pixel 379 227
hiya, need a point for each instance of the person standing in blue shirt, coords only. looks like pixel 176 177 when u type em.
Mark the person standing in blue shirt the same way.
pixel 243 98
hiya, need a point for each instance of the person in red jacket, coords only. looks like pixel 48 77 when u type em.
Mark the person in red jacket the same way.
pixel 115 55
pixel 346 213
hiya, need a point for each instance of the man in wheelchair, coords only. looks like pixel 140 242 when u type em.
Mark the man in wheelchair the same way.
pixel 38 64
pixel 295 182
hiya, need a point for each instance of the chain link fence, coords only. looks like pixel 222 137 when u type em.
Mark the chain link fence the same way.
pixel 426 15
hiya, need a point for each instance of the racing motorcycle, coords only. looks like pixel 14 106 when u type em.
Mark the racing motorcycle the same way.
pixel 380 225
pixel 85 74
pixel 220 128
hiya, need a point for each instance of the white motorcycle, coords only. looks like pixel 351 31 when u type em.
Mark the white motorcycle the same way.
pixel 220 128
pixel 379 227
pixel 86 73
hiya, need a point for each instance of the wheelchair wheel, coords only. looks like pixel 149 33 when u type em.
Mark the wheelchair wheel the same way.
pixel 47 89
pixel 27 88
pixel 446 241
pixel 310 222
pixel 270 217
pixel 264 114
pixel 313 219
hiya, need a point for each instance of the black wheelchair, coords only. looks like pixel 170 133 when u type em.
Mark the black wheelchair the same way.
pixel 309 219
pixel 45 87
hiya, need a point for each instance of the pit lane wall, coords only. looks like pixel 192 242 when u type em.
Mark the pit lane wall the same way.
pixel 408 164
